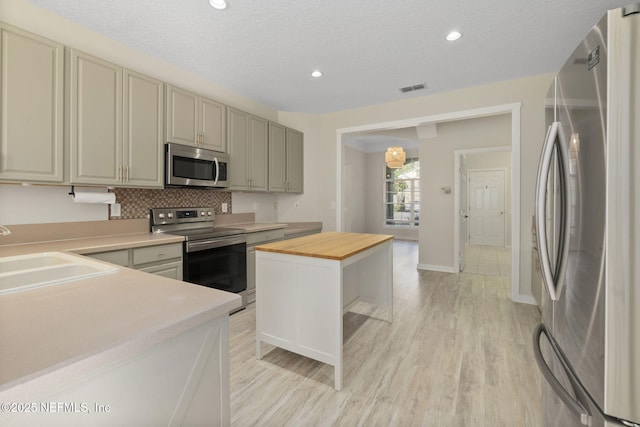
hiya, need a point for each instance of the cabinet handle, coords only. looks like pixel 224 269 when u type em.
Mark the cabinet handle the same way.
pixel 127 174
pixel 202 138
pixel 119 173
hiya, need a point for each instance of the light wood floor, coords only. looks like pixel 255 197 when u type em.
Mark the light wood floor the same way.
pixel 457 354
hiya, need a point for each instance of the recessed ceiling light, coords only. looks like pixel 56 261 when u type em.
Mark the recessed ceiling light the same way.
pixel 218 4
pixel 316 73
pixel 453 35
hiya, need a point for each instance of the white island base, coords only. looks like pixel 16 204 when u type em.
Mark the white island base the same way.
pixel 301 299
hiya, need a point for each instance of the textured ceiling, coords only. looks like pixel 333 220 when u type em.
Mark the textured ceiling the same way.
pixel 367 49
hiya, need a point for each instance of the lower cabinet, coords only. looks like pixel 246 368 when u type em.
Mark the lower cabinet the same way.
pixel 163 260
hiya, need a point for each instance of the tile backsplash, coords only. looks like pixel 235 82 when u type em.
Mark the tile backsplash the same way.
pixel 136 202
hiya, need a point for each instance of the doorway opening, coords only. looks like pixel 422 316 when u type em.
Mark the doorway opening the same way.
pixel 483 233
pixel 514 111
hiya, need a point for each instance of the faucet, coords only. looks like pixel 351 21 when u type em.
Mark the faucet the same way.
pixel 4 231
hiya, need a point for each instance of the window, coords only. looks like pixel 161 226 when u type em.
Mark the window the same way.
pixel 402 195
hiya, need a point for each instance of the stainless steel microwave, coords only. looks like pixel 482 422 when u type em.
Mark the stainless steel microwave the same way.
pixel 195 167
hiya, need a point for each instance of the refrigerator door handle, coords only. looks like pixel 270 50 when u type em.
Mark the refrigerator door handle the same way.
pixel 541 207
pixel 575 406
pixel 553 280
pixel 565 215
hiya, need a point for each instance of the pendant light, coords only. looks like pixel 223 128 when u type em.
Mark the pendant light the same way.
pixel 395 157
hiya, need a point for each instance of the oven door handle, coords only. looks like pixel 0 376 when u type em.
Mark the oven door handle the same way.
pixel 214 243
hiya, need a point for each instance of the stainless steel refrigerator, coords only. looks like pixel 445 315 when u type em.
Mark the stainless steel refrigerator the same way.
pixel 588 231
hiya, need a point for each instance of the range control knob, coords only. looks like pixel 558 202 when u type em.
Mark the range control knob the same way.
pixel 208 213
pixel 170 215
pixel 202 213
pixel 161 215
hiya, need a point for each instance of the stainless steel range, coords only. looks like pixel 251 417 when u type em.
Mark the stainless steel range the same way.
pixel 212 256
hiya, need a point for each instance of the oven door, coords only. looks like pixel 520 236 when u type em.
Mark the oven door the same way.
pixel 217 263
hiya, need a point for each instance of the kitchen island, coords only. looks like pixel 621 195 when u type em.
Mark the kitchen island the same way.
pixel 305 285
pixel 120 348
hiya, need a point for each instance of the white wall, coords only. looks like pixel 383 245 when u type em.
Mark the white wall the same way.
pixel 437 171
pixel 356 191
pixel 321 150
pixel 37 204
pixel 264 206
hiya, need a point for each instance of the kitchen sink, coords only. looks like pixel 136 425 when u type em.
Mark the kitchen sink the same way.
pixel 23 272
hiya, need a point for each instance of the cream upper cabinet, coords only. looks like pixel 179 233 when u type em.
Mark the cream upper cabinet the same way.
pixel 294 162
pixel 31 109
pixel 143 140
pixel 286 172
pixel 115 124
pixel 248 151
pixel 277 175
pixel 194 120
pixel 95 128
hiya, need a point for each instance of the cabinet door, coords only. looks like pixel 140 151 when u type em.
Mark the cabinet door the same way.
pixel 172 270
pixel 277 136
pixel 294 162
pixel 31 108
pixel 237 128
pixel 182 116
pixel 96 119
pixel 258 153
pixel 143 138
pixel 213 125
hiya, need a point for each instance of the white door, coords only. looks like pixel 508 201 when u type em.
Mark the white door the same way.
pixel 486 207
pixel 464 211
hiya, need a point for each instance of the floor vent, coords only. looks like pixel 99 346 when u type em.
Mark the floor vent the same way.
pixel 412 88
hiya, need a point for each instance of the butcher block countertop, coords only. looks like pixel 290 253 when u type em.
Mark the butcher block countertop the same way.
pixel 329 245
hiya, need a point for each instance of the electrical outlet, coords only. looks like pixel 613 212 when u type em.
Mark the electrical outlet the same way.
pixel 225 208
pixel 116 209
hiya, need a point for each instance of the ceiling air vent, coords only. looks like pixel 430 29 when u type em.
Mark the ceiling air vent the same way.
pixel 412 88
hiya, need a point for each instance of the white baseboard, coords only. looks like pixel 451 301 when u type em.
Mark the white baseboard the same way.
pixel 524 299
pixel 440 268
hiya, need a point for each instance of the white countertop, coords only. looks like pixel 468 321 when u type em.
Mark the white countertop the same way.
pixel 91 245
pixel 49 333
